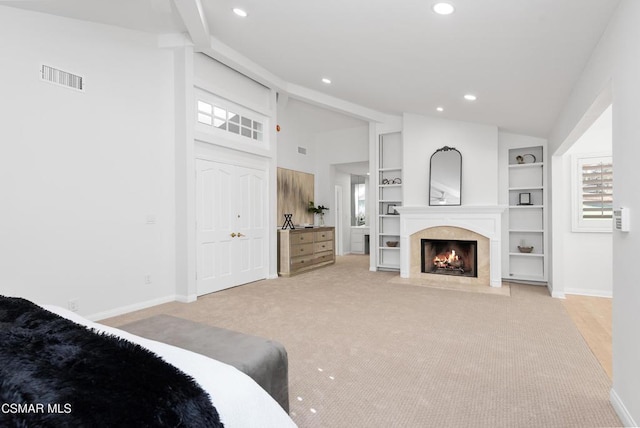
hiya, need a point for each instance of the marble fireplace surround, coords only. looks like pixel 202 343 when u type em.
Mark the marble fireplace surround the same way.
pixel 466 222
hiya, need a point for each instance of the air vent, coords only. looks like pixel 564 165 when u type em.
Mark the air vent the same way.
pixel 302 150
pixel 62 78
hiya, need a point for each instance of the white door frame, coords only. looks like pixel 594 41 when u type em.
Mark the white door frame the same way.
pixel 338 220
pixel 220 154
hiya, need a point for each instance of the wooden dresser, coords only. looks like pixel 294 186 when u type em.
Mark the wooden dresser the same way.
pixel 300 250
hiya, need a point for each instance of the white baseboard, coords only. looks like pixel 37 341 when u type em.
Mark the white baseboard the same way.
pixel 558 295
pixel 621 410
pixel 186 299
pixel 586 292
pixel 130 308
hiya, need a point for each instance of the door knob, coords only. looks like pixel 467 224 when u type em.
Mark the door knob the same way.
pixel 233 235
pixel 240 235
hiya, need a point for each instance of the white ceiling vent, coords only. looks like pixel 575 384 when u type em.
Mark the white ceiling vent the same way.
pixel 302 150
pixel 62 78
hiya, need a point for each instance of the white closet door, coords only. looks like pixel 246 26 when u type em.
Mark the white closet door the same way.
pixel 251 216
pixel 231 226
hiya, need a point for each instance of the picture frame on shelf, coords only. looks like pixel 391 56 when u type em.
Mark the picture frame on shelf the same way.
pixel 391 209
pixel 524 199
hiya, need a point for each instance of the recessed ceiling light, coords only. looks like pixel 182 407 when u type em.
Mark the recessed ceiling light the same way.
pixel 326 81
pixel 470 97
pixel 443 8
pixel 239 12
pixel 440 109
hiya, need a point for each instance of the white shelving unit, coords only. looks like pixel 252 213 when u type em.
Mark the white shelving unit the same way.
pixel 389 194
pixel 527 215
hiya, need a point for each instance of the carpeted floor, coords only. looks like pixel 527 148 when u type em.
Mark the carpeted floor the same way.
pixel 367 351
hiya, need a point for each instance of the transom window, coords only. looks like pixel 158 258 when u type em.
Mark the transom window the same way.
pixel 227 120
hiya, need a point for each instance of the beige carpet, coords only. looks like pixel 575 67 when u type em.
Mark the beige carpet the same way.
pixel 365 351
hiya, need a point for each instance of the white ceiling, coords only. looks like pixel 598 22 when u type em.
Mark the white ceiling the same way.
pixel 520 57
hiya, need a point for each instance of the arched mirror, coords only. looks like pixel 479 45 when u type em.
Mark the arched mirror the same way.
pixel 445 177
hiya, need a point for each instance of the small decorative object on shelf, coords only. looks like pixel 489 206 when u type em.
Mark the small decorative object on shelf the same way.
pixel 525 249
pixel 396 180
pixel 317 210
pixel 288 224
pixel 385 181
pixel 392 243
pixel 391 209
pixel 523 159
pixel 524 199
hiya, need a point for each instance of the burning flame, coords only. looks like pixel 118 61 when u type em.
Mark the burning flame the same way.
pixel 449 261
pixel 443 259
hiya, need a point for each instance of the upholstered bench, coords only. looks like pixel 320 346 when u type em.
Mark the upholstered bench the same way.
pixel 265 361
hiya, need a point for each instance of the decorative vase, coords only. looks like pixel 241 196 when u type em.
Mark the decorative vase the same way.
pixel 321 221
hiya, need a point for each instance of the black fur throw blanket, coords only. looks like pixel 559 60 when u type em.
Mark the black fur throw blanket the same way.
pixel 56 373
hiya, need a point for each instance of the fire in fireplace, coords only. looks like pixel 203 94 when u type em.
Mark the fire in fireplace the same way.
pixel 449 257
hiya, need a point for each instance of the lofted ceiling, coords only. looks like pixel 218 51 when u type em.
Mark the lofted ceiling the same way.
pixel 520 58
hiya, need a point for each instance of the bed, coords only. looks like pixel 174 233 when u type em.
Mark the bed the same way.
pixel 236 399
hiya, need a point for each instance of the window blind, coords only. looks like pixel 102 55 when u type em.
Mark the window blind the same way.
pixel 597 189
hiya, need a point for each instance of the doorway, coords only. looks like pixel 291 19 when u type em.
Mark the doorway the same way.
pixel 231 234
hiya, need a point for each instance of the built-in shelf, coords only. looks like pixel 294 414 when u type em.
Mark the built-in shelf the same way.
pixel 388 196
pixel 526 223
pixel 525 188
pixel 389 266
pixel 533 278
pixel 526 254
pixel 526 165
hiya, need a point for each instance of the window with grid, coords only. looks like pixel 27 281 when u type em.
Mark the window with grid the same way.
pixel 594 201
pixel 224 119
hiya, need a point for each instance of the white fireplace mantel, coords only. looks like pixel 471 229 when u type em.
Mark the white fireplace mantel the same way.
pixel 483 219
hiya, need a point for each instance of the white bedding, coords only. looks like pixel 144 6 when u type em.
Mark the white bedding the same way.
pixel 239 400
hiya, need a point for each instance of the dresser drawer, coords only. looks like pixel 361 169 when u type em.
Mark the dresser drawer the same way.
pixel 326 256
pixel 301 262
pixel 301 238
pixel 325 235
pixel 323 246
pixel 302 249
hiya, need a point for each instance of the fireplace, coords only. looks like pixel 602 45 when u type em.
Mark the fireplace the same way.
pixel 468 223
pixel 449 257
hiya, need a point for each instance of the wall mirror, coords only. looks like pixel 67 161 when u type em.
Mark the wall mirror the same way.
pixel 445 177
pixel 358 199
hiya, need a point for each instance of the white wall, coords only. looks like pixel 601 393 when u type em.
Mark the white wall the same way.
pixel 587 259
pixel 295 131
pixel 344 181
pixel 230 84
pixel 81 173
pixel 478 144
pixel 336 147
pixel 616 60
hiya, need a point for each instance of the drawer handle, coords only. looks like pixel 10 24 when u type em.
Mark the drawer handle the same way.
pixel 301 249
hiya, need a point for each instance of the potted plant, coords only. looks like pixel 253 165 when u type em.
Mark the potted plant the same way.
pixel 320 209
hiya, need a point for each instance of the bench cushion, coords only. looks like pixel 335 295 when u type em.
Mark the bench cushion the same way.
pixel 264 360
